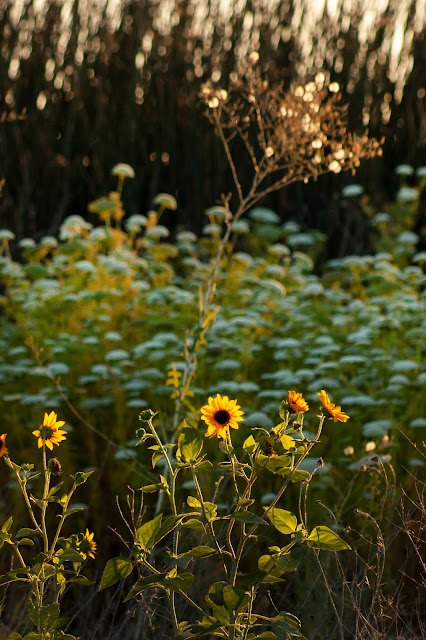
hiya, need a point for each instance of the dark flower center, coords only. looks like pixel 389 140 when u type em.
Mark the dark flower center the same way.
pixel 222 416
pixel 45 432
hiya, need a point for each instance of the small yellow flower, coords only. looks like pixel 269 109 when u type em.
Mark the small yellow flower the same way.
pixel 220 414
pixel 3 450
pixel 297 402
pixel 336 413
pixel 49 433
pixel 87 546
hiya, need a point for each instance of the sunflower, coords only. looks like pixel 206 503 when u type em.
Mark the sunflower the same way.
pixel 49 433
pixel 3 450
pixel 335 412
pixel 220 414
pixel 297 402
pixel 87 546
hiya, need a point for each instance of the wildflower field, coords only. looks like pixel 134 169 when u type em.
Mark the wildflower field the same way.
pixel 218 436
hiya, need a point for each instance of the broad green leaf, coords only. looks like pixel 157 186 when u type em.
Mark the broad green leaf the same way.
pixel 7 524
pixel 209 511
pixel 193 502
pixel 156 456
pixel 25 532
pixel 116 569
pixel 59 624
pixel 298 475
pixel 27 542
pixel 168 525
pixel 144 583
pixel 194 524
pixel 54 489
pixel 147 532
pixel 248 517
pixel 190 444
pixel 204 465
pixel 287 442
pixel 82 580
pixel 69 554
pixel 14 636
pixel 267 635
pixel 235 599
pixel 201 552
pixel 45 616
pixel 277 564
pixel 324 538
pixel 180 582
pixel 283 520
pixel 250 445
pixel 275 464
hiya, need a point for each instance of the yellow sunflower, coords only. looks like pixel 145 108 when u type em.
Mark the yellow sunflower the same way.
pixel 87 546
pixel 49 433
pixel 3 450
pixel 297 402
pixel 336 413
pixel 220 414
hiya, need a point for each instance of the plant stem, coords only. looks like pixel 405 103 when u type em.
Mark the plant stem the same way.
pixel 46 474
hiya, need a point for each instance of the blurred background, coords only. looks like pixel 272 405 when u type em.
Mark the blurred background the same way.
pixel 107 81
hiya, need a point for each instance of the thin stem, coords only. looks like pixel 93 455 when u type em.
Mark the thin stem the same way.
pixel 209 524
pixel 46 474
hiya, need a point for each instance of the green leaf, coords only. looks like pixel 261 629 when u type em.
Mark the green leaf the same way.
pixel 287 442
pixel 147 532
pixel 250 445
pixel 7 524
pixel 25 532
pixel 82 580
pixel 81 477
pixel 151 488
pixel 180 582
pixel 267 635
pixel 168 525
pixel 54 489
pixel 277 564
pixel 276 464
pixel 245 502
pixel 235 599
pixel 69 554
pixel 14 636
pixel 209 511
pixel 116 569
pixel 193 502
pixel 298 475
pixel 201 552
pixel 26 542
pixel 283 520
pixel 45 616
pixel 72 510
pixel 144 583
pixel 204 465
pixel 194 524
pixel 58 624
pixel 283 410
pixel 324 538
pixel 8 577
pixel 190 444
pixel 156 456
pixel 32 635
pixel 248 517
